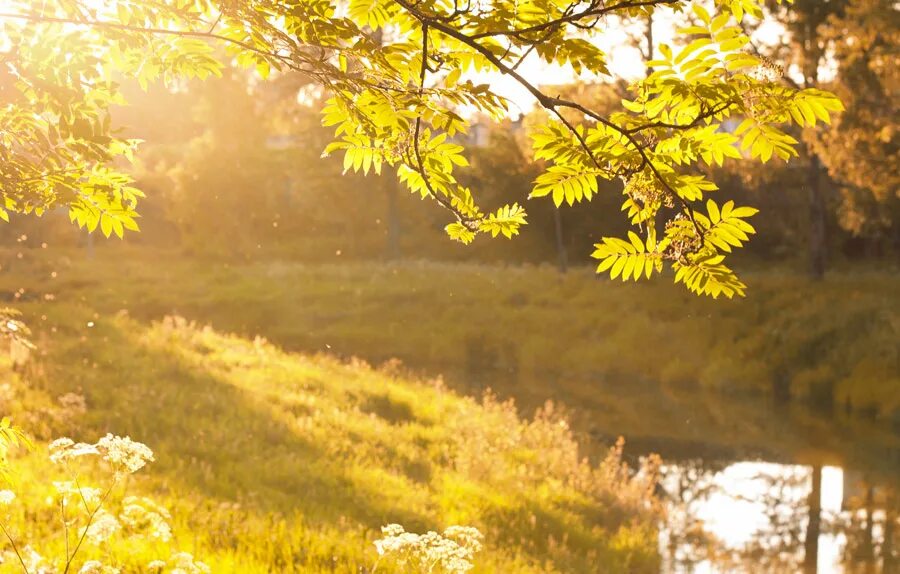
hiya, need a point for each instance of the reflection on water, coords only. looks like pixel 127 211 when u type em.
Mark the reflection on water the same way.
pixel 753 485
pixel 768 517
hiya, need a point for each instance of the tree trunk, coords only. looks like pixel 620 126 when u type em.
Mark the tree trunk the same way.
pixel 392 214
pixel 817 219
pixel 889 562
pixel 867 551
pixel 562 256
pixel 814 528
pixel 811 57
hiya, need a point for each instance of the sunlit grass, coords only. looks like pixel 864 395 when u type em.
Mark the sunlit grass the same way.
pixel 272 460
pixel 278 462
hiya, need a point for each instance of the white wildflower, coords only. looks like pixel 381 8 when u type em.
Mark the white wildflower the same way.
pixel 454 550
pixel 64 449
pixel 97 567
pixel 34 562
pixel 142 514
pixel 83 449
pixel 392 530
pixel 124 452
pixel 156 565
pixel 64 489
pixel 396 540
pixel 7 497
pixel 90 496
pixel 86 495
pixel 184 563
pixel 102 528
pixel 467 536
pixel 58 447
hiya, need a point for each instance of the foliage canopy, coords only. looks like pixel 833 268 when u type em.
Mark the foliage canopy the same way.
pixel 399 73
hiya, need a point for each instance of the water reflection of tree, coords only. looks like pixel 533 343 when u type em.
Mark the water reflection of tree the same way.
pixel 687 542
pixel 786 543
pixel 870 524
pixel 867 526
pixel 776 548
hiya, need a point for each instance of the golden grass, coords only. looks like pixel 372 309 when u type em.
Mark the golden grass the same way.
pixel 279 462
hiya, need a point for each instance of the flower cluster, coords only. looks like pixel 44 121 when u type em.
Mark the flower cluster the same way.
pixel 86 495
pixel 97 567
pixel 102 527
pixel 120 452
pixel 29 558
pixel 767 71
pixel 73 405
pixel 179 563
pixel 124 452
pixel 63 450
pixel 94 516
pixel 143 515
pixel 452 551
pixel 645 190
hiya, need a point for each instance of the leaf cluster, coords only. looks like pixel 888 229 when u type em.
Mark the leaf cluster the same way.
pixel 401 76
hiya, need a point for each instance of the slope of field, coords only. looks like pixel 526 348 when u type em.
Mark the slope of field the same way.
pixel 278 462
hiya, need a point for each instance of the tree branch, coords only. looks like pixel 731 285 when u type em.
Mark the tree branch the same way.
pixel 552 103
pixel 547 102
pixel 591 12
pixel 421 165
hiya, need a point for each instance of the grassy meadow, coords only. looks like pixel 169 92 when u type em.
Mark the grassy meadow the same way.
pixel 271 461
pixel 831 343
pixel 277 451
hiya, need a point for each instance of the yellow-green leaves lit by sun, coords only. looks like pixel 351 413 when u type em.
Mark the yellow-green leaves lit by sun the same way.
pixel 400 82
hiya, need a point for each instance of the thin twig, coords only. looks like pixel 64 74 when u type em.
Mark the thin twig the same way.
pixel 422 75
pixel 62 511
pixel 285 59
pixel 215 23
pixel 86 527
pixel 589 13
pixel 14 547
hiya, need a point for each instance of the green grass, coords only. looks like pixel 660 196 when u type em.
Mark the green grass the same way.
pixel 280 462
pixel 831 343
pixel 276 456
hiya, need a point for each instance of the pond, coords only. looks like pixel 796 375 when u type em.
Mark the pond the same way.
pixel 751 485
pixel 761 516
